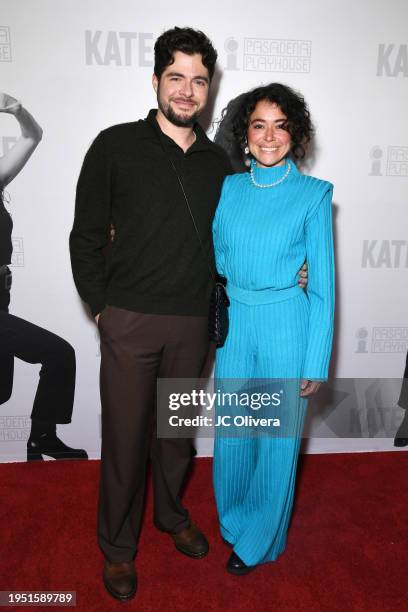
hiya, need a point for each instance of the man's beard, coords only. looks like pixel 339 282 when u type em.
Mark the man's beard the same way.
pixel 174 118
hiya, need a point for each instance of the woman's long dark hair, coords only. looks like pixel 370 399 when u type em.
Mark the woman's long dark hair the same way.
pixel 232 129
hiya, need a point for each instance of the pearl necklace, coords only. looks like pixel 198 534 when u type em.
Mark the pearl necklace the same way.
pixel 255 184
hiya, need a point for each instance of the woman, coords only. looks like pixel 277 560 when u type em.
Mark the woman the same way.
pixel 269 220
pixel 18 338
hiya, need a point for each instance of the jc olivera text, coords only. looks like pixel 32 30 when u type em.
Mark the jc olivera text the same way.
pixel 223 421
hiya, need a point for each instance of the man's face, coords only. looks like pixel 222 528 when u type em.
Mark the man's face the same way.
pixel 182 91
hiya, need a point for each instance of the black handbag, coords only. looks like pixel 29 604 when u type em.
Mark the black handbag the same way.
pixel 218 320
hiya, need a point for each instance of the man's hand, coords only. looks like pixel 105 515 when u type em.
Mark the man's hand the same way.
pixel 308 387
pixel 303 276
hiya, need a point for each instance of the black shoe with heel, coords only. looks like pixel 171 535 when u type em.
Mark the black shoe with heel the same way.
pixel 236 566
pixel 52 446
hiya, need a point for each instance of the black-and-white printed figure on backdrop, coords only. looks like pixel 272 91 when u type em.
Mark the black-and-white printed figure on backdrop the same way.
pixel 54 398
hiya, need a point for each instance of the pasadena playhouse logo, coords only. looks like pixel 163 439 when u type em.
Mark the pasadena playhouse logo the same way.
pixel 385 254
pixel 268 55
pixel 14 428
pixel 118 48
pixel 395 163
pixel 5 44
pixel 392 60
pixel 382 340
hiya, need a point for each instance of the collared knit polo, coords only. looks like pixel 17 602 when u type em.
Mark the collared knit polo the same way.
pixel 155 263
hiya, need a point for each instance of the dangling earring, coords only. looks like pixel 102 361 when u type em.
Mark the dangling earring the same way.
pixel 247 160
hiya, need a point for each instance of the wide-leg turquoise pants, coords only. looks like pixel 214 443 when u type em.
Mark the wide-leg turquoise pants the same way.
pixel 254 474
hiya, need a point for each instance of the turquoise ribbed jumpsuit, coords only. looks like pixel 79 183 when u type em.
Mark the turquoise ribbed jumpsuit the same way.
pixel 277 331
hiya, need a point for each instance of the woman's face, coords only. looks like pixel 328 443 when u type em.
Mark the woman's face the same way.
pixel 268 140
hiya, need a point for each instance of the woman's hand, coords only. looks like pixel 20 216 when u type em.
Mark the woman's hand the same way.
pixel 308 387
pixel 8 104
pixel 303 276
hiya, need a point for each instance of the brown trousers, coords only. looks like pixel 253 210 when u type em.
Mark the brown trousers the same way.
pixel 136 349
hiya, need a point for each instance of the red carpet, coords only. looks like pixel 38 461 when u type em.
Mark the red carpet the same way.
pixel 347 547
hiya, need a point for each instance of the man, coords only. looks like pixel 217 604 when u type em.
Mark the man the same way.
pixel 149 292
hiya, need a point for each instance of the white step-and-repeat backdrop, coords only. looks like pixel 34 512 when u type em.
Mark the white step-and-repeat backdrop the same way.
pixel 79 67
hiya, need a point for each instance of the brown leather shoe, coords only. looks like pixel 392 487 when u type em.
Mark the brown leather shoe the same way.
pixel 120 580
pixel 191 542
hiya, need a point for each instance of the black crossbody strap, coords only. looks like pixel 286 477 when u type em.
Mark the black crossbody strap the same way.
pixel 188 207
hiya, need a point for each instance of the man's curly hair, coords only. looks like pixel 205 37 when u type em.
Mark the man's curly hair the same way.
pixel 187 41
pixel 232 130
